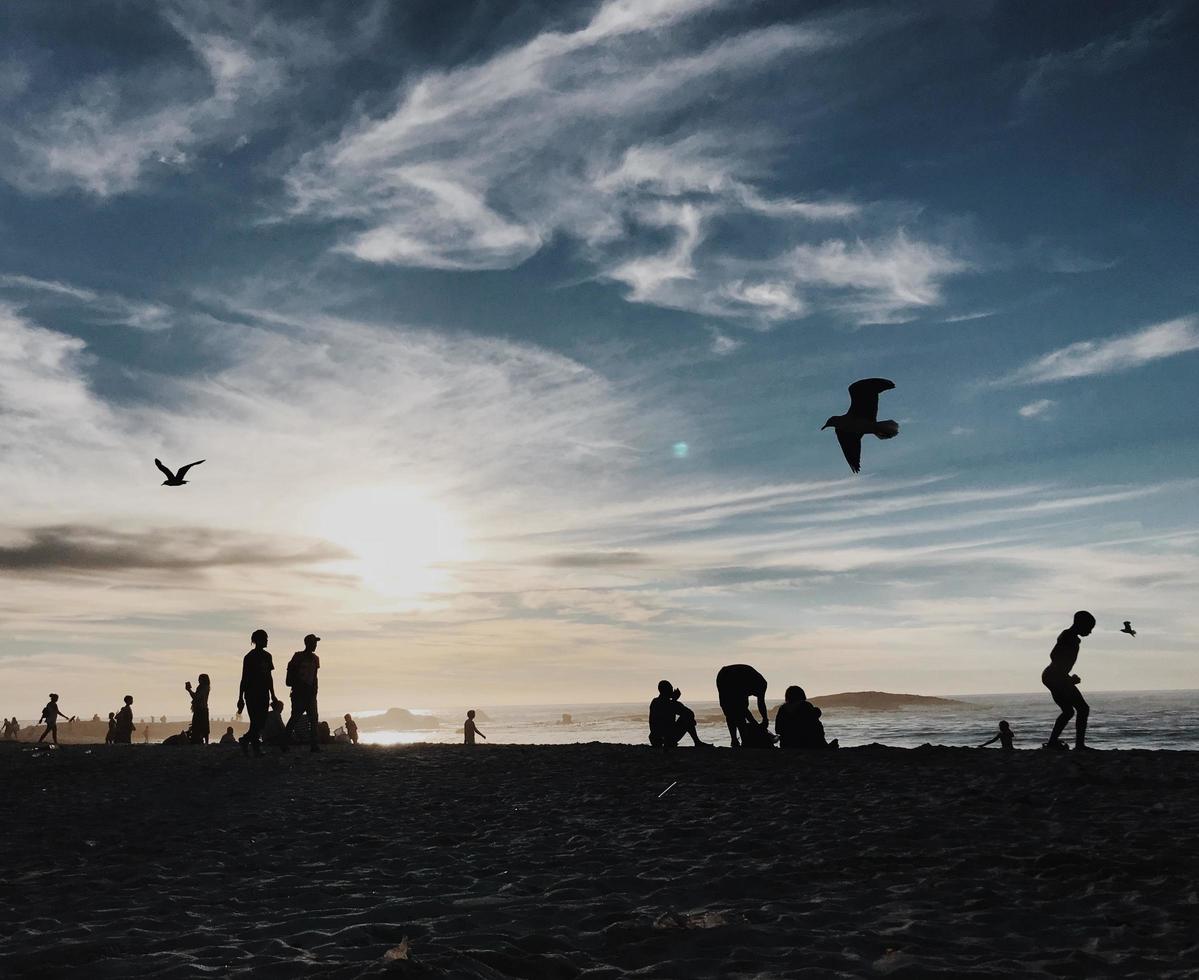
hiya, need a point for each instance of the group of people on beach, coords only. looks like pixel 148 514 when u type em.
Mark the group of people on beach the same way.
pixel 797 723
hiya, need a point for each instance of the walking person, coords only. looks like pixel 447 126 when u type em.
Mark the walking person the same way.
pixel 199 729
pixel 50 714
pixel 122 733
pixel 256 691
pixel 1063 685
pixel 301 678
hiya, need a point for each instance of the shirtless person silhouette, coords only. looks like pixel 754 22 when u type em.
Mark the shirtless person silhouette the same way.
pixel 736 683
pixel 1063 685
pixel 670 719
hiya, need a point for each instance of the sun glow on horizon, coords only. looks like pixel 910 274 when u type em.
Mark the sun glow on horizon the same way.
pixel 399 538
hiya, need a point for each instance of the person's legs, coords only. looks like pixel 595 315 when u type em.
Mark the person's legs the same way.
pixel 1083 712
pixel 315 721
pixel 259 708
pixel 1064 698
pixel 44 734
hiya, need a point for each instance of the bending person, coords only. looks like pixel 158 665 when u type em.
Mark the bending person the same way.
pixel 1063 685
pixel 670 719
pixel 736 684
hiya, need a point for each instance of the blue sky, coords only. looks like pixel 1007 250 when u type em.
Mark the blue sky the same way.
pixel 442 291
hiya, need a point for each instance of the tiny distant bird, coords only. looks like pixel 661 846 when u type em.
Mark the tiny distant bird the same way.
pixel 862 419
pixel 1128 629
pixel 175 479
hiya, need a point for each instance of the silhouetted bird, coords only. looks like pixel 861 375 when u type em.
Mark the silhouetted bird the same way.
pixel 175 479
pixel 1128 629
pixel 862 419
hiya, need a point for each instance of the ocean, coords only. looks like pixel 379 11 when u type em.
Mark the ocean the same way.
pixel 1119 720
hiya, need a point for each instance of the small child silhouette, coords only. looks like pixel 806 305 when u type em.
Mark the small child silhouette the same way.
pixel 470 729
pixel 1004 737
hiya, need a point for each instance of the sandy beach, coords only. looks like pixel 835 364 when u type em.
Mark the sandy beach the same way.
pixel 561 861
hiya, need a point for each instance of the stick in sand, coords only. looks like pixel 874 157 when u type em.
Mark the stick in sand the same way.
pixel 668 789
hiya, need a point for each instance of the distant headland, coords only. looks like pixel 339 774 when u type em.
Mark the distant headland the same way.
pixel 881 700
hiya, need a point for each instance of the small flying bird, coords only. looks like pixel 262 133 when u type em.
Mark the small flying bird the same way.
pixel 175 479
pixel 862 419
pixel 1128 629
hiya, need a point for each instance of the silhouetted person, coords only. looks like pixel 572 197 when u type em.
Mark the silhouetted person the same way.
pixel 670 719
pixel 256 690
pixel 797 723
pixel 1063 685
pixel 50 714
pixel 123 732
pixel 470 729
pixel 199 727
pixel 736 684
pixel 301 678
pixel 1004 737
pixel 274 732
pixel 7 728
pixel 862 419
pixel 16 727
pixel 111 734
pixel 352 730
pixel 228 738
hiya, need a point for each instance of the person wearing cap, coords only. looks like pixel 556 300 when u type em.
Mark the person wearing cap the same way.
pixel 301 678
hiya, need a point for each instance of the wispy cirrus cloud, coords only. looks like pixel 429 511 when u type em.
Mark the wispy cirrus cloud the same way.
pixel 1037 409
pixel 1120 353
pixel 579 135
pixel 98 307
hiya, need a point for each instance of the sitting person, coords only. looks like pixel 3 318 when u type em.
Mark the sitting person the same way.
pixel 1004 737
pixel 228 738
pixel 274 732
pixel 670 719
pixel 797 723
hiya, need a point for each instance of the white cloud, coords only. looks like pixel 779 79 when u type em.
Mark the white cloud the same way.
pixel 1037 409
pixel 1121 353
pixel 722 344
pixel 101 308
pixel 478 167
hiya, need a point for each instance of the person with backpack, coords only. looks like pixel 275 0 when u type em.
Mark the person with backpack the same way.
pixel 301 678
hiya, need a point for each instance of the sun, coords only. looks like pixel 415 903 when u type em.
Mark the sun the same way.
pixel 400 539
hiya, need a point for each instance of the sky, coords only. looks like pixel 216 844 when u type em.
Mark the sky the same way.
pixel 506 332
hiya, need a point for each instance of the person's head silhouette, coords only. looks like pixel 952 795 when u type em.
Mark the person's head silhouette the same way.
pixel 129 699
pixel 469 714
pixel 258 638
pixel 111 715
pixel 794 694
pixel 204 680
pixel 1084 622
pixel 310 642
pixel 1004 726
pixel 348 718
pixel 277 705
pixel 53 697
pixel 665 688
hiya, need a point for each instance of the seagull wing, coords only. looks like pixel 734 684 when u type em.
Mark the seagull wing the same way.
pixel 183 469
pixel 851 445
pixel 863 397
pixel 169 475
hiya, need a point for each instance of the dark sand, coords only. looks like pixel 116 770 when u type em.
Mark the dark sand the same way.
pixel 548 861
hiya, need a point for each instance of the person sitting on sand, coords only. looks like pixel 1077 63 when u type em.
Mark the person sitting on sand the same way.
pixel 122 733
pixel 228 738
pixel 256 691
pixel 199 728
pixel 302 679
pixel 735 684
pixel 797 723
pixel 1063 685
pixel 50 714
pixel 351 730
pixel 470 729
pixel 274 732
pixel 1004 737
pixel 670 719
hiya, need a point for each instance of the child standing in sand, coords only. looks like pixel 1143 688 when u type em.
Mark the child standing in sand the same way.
pixel 1063 685
pixel 50 714
pixel 470 729
pixel 1004 737
pixel 351 730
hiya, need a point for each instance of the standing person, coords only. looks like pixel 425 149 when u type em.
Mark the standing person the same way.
pixel 735 684
pixel 123 732
pixel 50 714
pixel 352 730
pixel 8 727
pixel 1063 685
pixel 470 729
pixel 256 691
pixel 670 719
pixel 301 678
pixel 199 729
pixel 111 735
